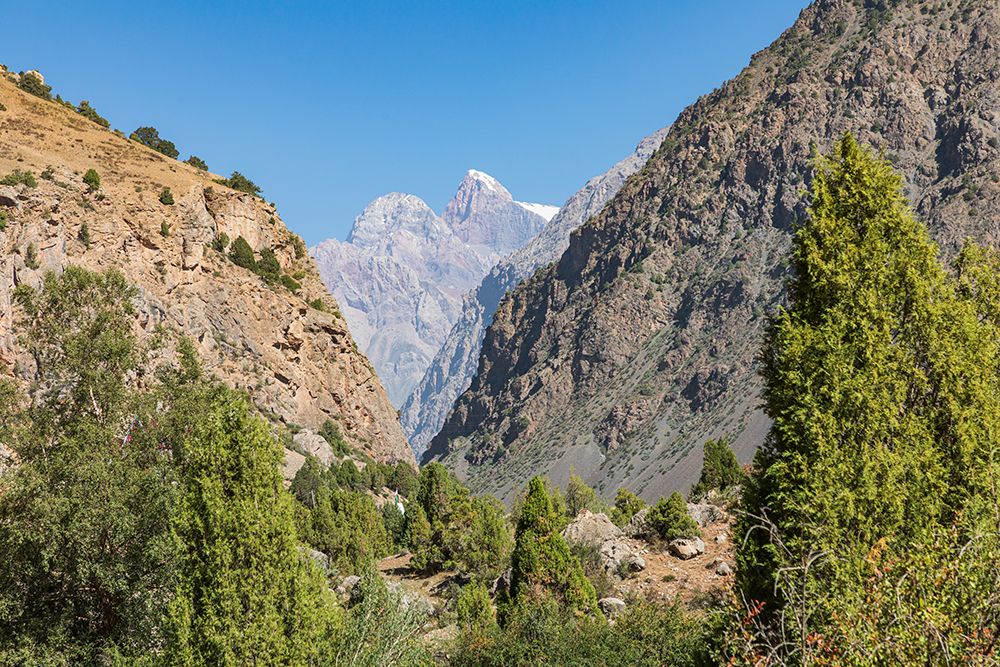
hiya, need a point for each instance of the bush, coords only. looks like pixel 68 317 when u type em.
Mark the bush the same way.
pixel 241 254
pixel 268 266
pixel 90 113
pixel 34 84
pixel 720 471
pixel 19 177
pixel 241 183
pixel 197 163
pixel 317 304
pixel 84 235
pixel 669 519
pixel 92 179
pixel 31 256
pixel 299 246
pixel 627 504
pixel 164 229
pixel 221 242
pixel 167 197
pixel 149 136
pixel 330 431
pixel 579 497
pixel 3 220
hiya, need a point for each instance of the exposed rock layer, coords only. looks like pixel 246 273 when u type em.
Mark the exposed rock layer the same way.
pixel 299 364
pixel 640 342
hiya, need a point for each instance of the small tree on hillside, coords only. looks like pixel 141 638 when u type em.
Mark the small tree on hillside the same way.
pixel 669 519
pixel 150 136
pixel 542 566
pixel 92 180
pixel 720 470
pixel 241 254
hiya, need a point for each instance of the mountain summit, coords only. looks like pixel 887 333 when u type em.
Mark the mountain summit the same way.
pixel 401 273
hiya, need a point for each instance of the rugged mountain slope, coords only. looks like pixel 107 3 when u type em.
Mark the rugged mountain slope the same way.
pixel 452 368
pixel 401 273
pixel 640 343
pixel 298 363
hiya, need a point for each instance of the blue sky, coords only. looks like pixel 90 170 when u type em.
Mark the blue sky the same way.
pixel 327 105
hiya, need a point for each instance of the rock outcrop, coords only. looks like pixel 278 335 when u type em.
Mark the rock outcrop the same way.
pixel 452 368
pixel 640 343
pixel 298 363
pixel 401 274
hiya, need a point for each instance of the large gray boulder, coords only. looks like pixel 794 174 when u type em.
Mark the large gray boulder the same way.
pixel 687 549
pixel 590 528
pixel 313 444
pixel 705 513
pixel 621 558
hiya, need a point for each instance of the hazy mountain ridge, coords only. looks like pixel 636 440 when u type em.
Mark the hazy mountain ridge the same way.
pixel 452 368
pixel 640 343
pixel 401 273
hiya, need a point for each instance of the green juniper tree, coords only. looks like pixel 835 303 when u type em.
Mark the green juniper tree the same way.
pixel 871 515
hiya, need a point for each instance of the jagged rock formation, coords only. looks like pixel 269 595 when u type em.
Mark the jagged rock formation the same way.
pixel 401 273
pixel 452 368
pixel 640 342
pixel 298 363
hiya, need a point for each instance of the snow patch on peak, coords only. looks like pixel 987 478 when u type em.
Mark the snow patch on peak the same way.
pixel 484 178
pixel 544 210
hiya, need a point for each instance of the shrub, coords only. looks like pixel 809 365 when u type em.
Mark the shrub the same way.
pixel 290 283
pixel 19 177
pixel 31 256
pixel 299 246
pixel 241 254
pixel 330 431
pixel 669 519
pixel 149 136
pixel 3 107
pixel 197 163
pixel 30 82
pixel 317 304
pixel 348 528
pixel 84 235
pixel 221 242
pixel 268 266
pixel 92 179
pixel 167 197
pixel 241 183
pixel 720 471
pixel 90 113
pixel 3 220
pixel 579 497
pixel 475 609
pixel 48 173
pixel 164 229
pixel 627 504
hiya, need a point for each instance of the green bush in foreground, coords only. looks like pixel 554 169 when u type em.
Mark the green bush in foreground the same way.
pixel 669 519
pixel 19 177
pixel 92 180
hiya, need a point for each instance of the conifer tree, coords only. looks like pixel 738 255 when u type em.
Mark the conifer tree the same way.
pixel 880 466
pixel 542 566
pixel 246 594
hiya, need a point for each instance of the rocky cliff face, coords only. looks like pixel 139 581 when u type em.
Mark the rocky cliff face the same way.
pixel 298 363
pixel 452 368
pixel 640 342
pixel 401 273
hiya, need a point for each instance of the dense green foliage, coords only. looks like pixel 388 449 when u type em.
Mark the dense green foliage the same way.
pixel 150 136
pixel 19 177
pixel 627 504
pixel 90 113
pixel 872 514
pixel 669 519
pixel 238 181
pixel 720 470
pixel 167 197
pixel 30 82
pixel 197 163
pixel 581 497
pixel 220 242
pixel 92 179
pixel 542 567
pixel 542 633
pixel 241 254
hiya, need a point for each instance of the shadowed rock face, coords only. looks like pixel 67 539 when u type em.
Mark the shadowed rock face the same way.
pixel 640 343
pixel 452 368
pixel 401 273
pixel 299 364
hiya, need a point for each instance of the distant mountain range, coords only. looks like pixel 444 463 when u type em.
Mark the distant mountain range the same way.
pixel 452 368
pixel 402 272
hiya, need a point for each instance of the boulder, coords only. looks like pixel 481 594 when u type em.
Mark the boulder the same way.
pixel 705 513
pixel 687 549
pixel 308 442
pixel 611 607
pixel 723 569
pixel 8 196
pixel 619 557
pixel 638 526
pixel 721 538
pixel 590 528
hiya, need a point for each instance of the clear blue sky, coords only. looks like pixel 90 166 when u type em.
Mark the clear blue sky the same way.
pixel 327 105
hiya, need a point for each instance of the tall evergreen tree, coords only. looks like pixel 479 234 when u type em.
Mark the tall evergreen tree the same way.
pixel 881 461
pixel 542 565
pixel 247 595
